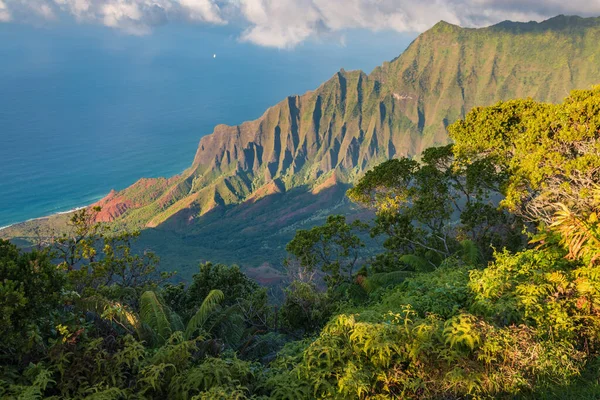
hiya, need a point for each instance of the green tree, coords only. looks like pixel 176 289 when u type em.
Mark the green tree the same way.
pixel 546 154
pixel 333 248
pixel 418 205
pixel 305 309
pixel 31 290
pixel 234 284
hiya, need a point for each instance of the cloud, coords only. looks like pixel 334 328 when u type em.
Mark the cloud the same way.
pixel 137 17
pixel 286 23
pixel 4 13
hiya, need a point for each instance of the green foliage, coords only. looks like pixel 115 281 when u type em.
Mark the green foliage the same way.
pixel 243 313
pixel 580 235
pixel 30 291
pixel 548 154
pixel 416 206
pixel 305 308
pixel 442 292
pixel 208 306
pixel 415 353
pixel 383 279
pixel 543 290
pixel 99 261
pixel 155 315
pixel 230 280
pixel 333 248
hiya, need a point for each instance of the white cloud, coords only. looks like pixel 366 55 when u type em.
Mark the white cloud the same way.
pixel 136 17
pixel 202 10
pixel 286 23
pixel 4 13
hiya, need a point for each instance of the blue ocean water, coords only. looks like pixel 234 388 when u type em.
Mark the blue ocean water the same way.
pixel 85 109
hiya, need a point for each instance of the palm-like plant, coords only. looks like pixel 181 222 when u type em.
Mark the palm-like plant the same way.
pixel 580 232
pixel 469 252
pixel 162 322
pixel 208 306
pixel 384 279
pixel 157 317
pixel 580 235
pixel 113 311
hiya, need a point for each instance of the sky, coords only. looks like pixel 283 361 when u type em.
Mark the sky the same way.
pixel 285 24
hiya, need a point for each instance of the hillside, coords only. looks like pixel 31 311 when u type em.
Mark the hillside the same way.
pixel 250 183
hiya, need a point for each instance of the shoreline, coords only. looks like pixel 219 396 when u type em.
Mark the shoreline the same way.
pixel 48 216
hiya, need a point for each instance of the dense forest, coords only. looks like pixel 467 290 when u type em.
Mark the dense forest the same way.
pixel 488 286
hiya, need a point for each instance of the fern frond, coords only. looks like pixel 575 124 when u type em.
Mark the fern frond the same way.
pixel 155 315
pixel 384 279
pixel 175 320
pixel 223 317
pixel 232 326
pixel 470 253
pixel 111 310
pixel 419 264
pixel 210 303
pixel 581 237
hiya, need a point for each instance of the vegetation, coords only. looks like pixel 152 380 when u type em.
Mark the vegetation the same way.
pixel 488 286
pixel 288 169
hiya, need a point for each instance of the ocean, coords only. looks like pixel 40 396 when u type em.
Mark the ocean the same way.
pixel 84 109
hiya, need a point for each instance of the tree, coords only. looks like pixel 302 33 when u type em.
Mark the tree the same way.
pixel 249 299
pixel 305 309
pixel 333 248
pixel 427 208
pixel 99 260
pixel 30 291
pixel 234 284
pixel 546 154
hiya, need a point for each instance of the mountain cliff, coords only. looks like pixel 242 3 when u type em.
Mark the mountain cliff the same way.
pixel 355 120
pixel 313 143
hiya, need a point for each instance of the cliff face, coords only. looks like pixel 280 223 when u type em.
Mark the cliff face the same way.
pixel 355 120
pixel 405 105
pixel 328 137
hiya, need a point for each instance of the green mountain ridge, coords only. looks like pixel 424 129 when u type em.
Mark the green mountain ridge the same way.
pixel 355 120
pixel 311 143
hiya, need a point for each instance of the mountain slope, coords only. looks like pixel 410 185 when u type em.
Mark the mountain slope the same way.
pixel 355 120
pixel 333 134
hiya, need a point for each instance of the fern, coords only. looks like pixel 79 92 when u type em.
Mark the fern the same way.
pixel 155 315
pixel 286 386
pixel 112 311
pixel 384 279
pixel 175 319
pixel 580 236
pixel 419 264
pixel 231 325
pixel 42 379
pixel 470 253
pixel 209 305
pixel 462 330
pixel 112 393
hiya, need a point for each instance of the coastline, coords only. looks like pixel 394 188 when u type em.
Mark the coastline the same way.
pixel 47 216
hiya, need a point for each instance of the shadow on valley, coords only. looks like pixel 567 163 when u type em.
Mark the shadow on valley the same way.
pixel 252 234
